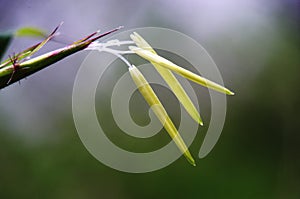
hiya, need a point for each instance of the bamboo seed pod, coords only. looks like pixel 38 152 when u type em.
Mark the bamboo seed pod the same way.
pixel 179 70
pixel 171 80
pixel 157 107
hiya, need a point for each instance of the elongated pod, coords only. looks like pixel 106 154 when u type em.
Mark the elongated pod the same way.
pixel 179 70
pixel 170 79
pixel 157 107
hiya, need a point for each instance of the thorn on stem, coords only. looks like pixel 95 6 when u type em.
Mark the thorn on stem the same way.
pixel 16 67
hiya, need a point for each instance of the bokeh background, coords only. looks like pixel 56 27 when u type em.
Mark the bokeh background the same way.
pixel 255 44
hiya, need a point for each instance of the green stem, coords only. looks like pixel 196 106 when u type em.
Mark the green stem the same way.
pixel 10 73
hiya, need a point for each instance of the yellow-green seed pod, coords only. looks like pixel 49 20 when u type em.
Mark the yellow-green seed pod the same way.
pixel 157 107
pixel 179 70
pixel 170 79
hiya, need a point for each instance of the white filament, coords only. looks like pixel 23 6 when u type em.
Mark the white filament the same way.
pixel 105 47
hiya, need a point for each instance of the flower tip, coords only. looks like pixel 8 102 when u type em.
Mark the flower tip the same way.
pixel 192 162
pixel 136 38
pixel 200 122
pixel 189 158
pixel 230 92
pixel 120 27
pixel 132 36
pixel 136 35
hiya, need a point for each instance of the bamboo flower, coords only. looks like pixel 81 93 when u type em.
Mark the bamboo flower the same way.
pixel 170 79
pixel 155 104
pixel 148 55
pixel 22 65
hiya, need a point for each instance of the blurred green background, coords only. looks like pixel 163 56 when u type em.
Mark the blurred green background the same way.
pixel 255 44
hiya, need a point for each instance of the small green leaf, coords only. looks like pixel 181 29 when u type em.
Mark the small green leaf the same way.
pixel 30 32
pixel 30 51
pixel 5 38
